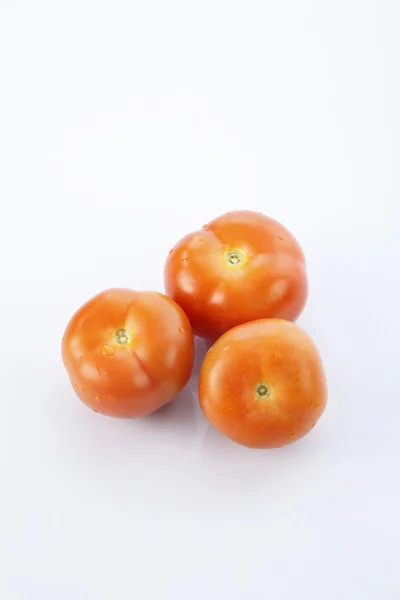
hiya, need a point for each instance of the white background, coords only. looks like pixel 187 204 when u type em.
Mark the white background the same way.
pixel 124 125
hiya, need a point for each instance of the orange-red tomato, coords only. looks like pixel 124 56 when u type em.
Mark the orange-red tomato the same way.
pixel 240 267
pixel 262 384
pixel 127 353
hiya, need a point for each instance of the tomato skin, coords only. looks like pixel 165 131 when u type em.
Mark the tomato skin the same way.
pixel 272 352
pixel 270 282
pixel 134 373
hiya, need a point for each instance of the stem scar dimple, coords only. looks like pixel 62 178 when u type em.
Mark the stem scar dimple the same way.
pixel 262 390
pixel 234 258
pixel 122 337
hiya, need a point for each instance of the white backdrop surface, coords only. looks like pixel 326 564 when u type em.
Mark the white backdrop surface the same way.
pixel 124 125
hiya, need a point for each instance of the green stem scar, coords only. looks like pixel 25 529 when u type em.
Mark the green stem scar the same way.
pixel 262 391
pixel 122 337
pixel 234 258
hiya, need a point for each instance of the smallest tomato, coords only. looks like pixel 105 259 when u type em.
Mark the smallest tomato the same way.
pixel 262 384
pixel 127 353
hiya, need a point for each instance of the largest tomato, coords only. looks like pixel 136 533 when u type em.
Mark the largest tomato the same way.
pixel 127 353
pixel 239 267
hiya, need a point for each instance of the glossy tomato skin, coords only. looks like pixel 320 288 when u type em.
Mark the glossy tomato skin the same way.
pixel 128 353
pixel 240 267
pixel 262 384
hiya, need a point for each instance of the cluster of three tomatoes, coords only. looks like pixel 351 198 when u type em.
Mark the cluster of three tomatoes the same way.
pixel 239 282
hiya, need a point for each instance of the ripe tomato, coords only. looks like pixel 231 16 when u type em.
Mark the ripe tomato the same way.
pixel 127 353
pixel 262 384
pixel 240 267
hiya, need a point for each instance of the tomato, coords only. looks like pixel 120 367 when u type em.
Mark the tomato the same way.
pixel 240 267
pixel 262 384
pixel 127 353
